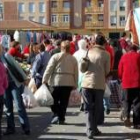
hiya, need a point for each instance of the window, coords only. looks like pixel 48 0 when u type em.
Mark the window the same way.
pixel 113 5
pixel 88 17
pixel 31 7
pixel 113 20
pixel 88 3
pixel 54 4
pixel 42 7
pixel 100 3
pixel 122 5
pixel 66 4
pixel 100 17
pixel 66 18
pixel 136 4
pixel 42 20
pixel 21 18
pixel 32 18
pixel 1 10
pixel 21 7
pixel 54 18
pixel 122 20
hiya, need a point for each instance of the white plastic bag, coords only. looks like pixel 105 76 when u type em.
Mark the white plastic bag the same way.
pixel 75 98
pixel 107 91
pixel 28 98
pixel 32 85
pixel 43 96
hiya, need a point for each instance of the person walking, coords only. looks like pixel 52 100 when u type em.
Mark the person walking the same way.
pixel 62 70
pixel 129 73
pixel 39 65
pixel 93 85
pixel 14 92
pixel 82 44
pixel 3 86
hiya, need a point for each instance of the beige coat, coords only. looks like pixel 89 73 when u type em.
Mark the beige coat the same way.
pixel 98 69
pixel 63 72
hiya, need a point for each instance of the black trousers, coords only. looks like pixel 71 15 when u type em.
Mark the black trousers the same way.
pixel 93 106
pixel 1 112
pixel 132 100
pixel 61 98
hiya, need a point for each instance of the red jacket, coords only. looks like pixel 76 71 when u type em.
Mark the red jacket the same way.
pixel 129 70
pixel 15 52
pixel 26 50
pixel 110 50
pixel 72 48
pixel 123 44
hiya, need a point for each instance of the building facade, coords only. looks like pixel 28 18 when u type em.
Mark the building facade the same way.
pixel 73 15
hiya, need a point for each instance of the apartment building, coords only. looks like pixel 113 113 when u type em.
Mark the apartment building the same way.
pixel 1 10
pixel 88 16
pixel 136 3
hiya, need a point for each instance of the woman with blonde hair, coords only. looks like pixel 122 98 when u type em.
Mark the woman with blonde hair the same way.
pixel 61 74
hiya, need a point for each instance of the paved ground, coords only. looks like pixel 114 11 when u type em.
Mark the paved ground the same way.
pixel 41 129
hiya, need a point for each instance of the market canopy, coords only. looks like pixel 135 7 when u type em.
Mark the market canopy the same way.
pixel 133 25
pixel 23 25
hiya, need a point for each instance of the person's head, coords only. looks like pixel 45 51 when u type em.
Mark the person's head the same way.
pixel 15 44
pixel 124 35
pixel 65 46
pixel 82 44
pixel 47 42
pixel 134 47
pixel 100 40
pixel 75 37
pixel 34 48
pixel 58 43
pixel 41 47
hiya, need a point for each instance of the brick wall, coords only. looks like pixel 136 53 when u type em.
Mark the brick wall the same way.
pixel 10 10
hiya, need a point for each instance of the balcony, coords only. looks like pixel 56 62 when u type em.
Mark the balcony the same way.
pixel 61 25
pixel 93 9
pixel 55 10
pixel 94 24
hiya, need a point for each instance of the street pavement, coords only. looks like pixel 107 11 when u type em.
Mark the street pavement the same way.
pixel 41 128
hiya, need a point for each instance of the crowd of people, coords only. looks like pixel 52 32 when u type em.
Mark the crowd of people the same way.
pixel 57 64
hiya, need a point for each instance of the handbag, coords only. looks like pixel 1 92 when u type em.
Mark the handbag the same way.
pixel 84 64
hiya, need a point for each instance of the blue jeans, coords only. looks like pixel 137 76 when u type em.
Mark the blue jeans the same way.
pixel 14 93
pixel 106 103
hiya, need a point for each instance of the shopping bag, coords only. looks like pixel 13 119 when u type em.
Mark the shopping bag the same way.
pixel 43 96
pixel 32 85
pixel 75 98
pixel 28 98
pixel 107 91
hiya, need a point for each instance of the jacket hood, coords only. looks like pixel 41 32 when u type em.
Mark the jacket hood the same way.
pixel 82 44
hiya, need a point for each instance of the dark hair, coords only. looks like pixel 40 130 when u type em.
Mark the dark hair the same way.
pixel 58 42
pixel 100 39
pixel 134 47
pixel 47 41
pixel 42 47
pixel 32 45
pixel 15 43
pixel 123 34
